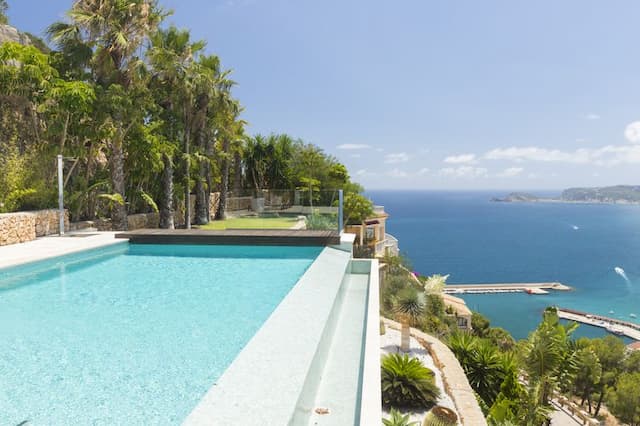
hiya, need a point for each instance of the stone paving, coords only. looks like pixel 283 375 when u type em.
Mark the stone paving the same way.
pixel 52 246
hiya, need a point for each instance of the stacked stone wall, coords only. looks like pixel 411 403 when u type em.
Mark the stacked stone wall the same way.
pixel 17 228
pixel 48 222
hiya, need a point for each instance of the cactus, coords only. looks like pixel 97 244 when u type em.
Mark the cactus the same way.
pixel 440 416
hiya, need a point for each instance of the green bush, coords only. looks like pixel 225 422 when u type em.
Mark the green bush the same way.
pixel 406 383
pixel 397 419
pixel 321 222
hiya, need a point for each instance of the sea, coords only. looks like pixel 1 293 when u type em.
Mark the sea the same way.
pixel 475 240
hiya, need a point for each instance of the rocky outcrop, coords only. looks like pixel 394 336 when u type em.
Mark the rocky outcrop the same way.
pixel 9 33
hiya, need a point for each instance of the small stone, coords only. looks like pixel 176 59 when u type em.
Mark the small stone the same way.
pixel 322 411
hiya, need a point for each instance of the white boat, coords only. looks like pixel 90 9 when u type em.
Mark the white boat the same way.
pixel 633 315
pixel 615 330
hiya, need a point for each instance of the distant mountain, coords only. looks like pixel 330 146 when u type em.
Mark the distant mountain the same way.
pixel 609 194
pixel 516 197
pixel 620 194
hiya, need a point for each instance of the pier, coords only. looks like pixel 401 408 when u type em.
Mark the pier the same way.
pixel 612 325
pixel 530 288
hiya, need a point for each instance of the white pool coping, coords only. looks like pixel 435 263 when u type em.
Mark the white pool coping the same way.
pixel 371 402
pixel 263 384
pixel 54 246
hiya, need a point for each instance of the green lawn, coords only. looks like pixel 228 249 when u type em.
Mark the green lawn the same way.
pixel 252 223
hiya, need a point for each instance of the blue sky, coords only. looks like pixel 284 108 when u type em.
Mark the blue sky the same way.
pixel 421 94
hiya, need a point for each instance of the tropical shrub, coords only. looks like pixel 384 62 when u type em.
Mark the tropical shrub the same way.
pixel 321 222
pixel 397 419
pixel 407 383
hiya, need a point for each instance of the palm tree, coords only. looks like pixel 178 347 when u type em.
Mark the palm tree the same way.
pixel 547 356
pixel 409 307
pixel 407 383
pixel 170 56
pixel 114 30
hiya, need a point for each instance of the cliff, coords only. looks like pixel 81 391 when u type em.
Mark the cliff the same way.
pixel 9 33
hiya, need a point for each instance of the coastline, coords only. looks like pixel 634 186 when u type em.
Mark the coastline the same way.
pixel 559 201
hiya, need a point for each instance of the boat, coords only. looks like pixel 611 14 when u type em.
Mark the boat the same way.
pixel 633 315
pixel 615 330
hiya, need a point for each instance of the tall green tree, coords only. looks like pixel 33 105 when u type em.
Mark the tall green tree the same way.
pixel 170 56
pixel 4 19
pixel 547 356
pixel 114 30
pixel 624 399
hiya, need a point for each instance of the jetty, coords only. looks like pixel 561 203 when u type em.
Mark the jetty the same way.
pixel 612 325
pixel 530 288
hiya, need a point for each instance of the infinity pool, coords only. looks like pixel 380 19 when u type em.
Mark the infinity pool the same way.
pixel 132 334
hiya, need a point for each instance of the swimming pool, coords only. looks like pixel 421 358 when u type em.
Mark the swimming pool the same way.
pixel 132 334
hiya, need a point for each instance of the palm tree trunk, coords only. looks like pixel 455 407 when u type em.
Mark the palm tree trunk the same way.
pixel 237 174
pixel 224 184
pixel 166 203
pixel 187 184
pixel 202 201
pixel 118 211
pixel 600 398
pixel 201 197
pixel 405 337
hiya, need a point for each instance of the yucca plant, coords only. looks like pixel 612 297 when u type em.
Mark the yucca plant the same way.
pixel 440 416
pixel 397 419
pixel 406 383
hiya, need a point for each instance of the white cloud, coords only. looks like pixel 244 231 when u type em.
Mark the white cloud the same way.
pixel 461 159
pixel 592 116
pixel 352 146
pixel 464 172
pixel 423 171
pixel 399 157
pixel 632 132
pixel 511 172
pixel 361 172
pixel 380 149
pixel 397 174
pixel 355 155
pixel 609 155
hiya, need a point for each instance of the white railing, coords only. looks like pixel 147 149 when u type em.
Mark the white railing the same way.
pixel 378 209
pixel 391 245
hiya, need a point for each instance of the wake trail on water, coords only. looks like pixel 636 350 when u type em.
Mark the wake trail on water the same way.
pixel 618 270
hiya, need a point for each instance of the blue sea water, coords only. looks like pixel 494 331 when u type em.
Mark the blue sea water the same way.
pixel 132 334
pixel 475 240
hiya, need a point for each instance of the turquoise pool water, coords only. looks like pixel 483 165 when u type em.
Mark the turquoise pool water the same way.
pixel 132 334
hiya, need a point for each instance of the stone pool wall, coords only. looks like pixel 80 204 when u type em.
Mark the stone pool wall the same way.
pixel 26 226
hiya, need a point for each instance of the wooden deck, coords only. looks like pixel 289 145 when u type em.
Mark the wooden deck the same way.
pixel 263 237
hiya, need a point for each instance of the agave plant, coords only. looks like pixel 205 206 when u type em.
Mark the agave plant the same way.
pixel 397 419
pixel 407 383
